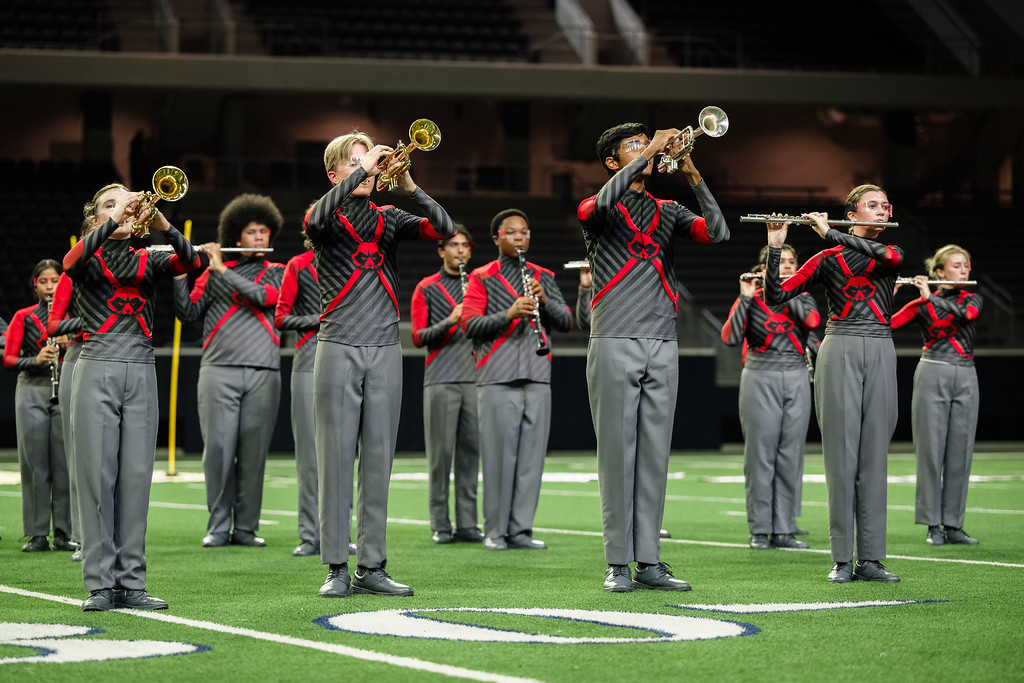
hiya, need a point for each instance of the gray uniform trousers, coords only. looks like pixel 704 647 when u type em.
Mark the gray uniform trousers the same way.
pixel 775 408
pixel 357 402
pixel 515 419
pixel 115 424
pixel 67 374
pixel 633 385
pixel 450 426
pixel 303 432
pixel 855 399
pixel 944 413
pixel 44 467
pixel 237 413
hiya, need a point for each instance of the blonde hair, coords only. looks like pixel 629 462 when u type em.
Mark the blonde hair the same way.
pixel 89 209
pixel 341 147
pixel 941 255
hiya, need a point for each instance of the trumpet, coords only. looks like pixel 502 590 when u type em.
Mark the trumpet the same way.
pixel 712 121
pixel 54 364
pixel 170 184
pixel 423 134
pixel 800 220
pixel 535 323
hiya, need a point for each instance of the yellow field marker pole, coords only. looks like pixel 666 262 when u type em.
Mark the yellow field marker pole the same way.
pixel 172 416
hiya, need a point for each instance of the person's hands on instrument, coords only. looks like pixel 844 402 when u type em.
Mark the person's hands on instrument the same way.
pixel 159 223
pixel 777 232
pixel 212 251
pixel 125 211
pixel 456 314
pixel 373 156
pixel 537 290
pixel 521 307
pixel 819 222
pixel 586 277
pixel 748 287
pixel 689 170
pixel 48 354
pixel 406 182
pixel 921 282
pixel 661 140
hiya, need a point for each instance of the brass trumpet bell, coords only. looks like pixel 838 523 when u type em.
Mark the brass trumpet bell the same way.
pixel 712 121
pixel 170 184
pixel 423 134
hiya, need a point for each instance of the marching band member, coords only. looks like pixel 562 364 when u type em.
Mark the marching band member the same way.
pixel 449 393
pixel 357 374
pixel 513 379
pixel 855 378
pixel 774 403
pixel 944 407
pixel 114 393
pixel 239 386
pixel 298 309
pixel 633 357
pixel 45 493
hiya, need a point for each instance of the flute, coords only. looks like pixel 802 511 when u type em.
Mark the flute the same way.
pixel 800 220
pixel 538 332
pixel 900 280
pixel 224 250
pixel 573 265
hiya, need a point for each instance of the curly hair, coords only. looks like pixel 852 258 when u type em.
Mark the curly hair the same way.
pixel 243 210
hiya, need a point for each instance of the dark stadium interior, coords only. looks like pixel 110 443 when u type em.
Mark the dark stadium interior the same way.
pixel 244 95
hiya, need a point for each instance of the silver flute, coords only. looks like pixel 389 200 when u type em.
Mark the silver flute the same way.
pixel 224 250
pixel 900 280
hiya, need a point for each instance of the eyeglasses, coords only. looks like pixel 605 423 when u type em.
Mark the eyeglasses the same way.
pixel 875 206
pixel 354 161
pixel 512 234
pixel 631 145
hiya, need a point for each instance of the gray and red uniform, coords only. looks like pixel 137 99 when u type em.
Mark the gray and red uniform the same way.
pixel 854 382
pixel 298 309
pixel 632 357
pixel 449 401
pixel 944 409
pixel 45 489
pixel 114 395
pixel 64 320
pixel 774 404
pixel 357 375
pixel 239 385
pixel 513 389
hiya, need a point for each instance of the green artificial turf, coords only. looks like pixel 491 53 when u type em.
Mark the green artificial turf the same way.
pixel 966 622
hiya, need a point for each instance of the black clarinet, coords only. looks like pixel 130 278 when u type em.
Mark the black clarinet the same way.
pixel 538 330
pixel 54 364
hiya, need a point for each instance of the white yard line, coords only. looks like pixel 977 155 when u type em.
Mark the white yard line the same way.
pixel 366 655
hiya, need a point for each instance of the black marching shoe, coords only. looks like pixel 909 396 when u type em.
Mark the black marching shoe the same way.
pixel 935 536
pixel 337 584
pixel 99 601
pixel 218 539
pixel 800 532
pixel 36 544
pixel 959 537
pixel 442 537
pixel 495 543
pixel 842 572
pixel 137 599
pixel 352 549
pixel 76 556
pixel 663 533
pixel 658 577
pixel 525 542
pixel 377 582
pixel 469 535
pixel 617 579
pixel 62 542
pixel 247 538
pixel 787 541
pixel 760 542
pixel 872 570
pixel 306 548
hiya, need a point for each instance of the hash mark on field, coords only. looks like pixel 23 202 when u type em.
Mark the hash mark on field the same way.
pixel 366 655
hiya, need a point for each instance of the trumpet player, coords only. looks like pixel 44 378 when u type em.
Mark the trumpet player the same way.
pixel 449 393
pixel 855 379
pixel 944 409
pixel 239 386
pixel 633 358
pixel 357 374
pixel 513 380
pixel 114 392
pixel 774 403
pixel 45 488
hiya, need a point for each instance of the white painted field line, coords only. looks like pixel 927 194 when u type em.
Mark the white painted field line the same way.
pixel 366 655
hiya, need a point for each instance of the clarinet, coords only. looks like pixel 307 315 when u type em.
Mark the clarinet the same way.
pixel 538 333
pixel 463 279
pixel 54 364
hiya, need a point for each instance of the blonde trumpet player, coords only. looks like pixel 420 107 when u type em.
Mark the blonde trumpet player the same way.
pixel 239 386
pixel 633 356
pixel 449 393
pixel 944 409
pixel 114 393
pixel 45 488
pixel 855 378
